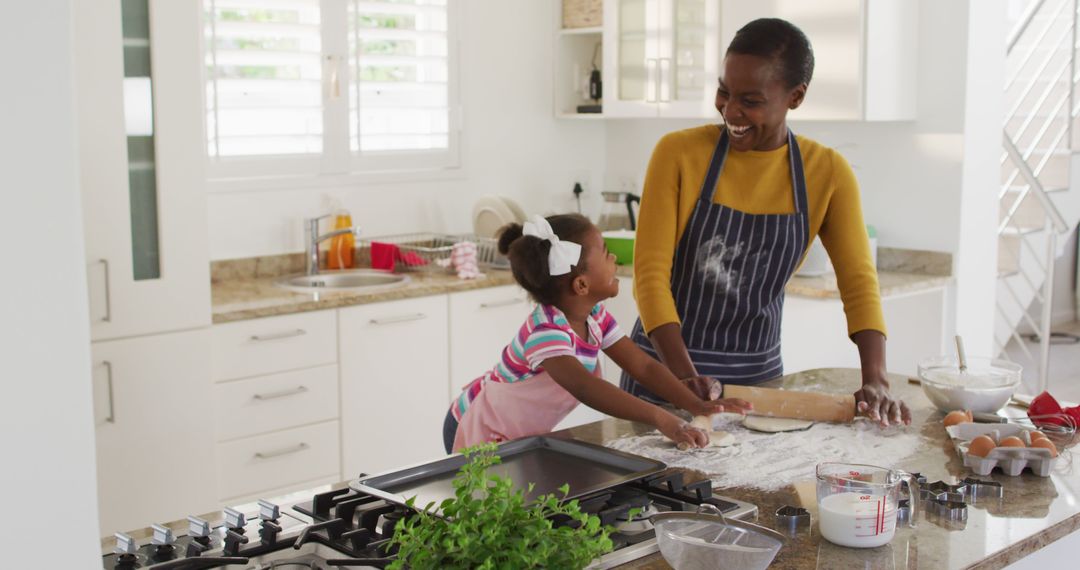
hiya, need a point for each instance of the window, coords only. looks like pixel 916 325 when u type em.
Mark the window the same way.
pixel 309 87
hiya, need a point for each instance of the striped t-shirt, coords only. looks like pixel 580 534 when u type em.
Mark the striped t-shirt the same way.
pixel 544 335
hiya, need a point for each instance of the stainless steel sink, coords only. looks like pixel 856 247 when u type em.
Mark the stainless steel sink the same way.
pixel 358 280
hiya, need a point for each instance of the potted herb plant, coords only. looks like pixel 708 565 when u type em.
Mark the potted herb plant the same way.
pixel 489 525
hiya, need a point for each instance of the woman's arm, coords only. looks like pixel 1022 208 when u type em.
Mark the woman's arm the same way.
pixel 660 380
pixel 600 395
pixel 874 399
pixel 670 346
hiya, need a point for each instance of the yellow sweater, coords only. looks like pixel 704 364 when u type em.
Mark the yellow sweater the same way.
pixel 757 182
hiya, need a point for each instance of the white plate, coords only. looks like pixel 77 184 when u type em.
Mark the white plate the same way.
pixel 490 214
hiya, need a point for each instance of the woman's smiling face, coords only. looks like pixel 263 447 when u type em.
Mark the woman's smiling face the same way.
pixel 754 102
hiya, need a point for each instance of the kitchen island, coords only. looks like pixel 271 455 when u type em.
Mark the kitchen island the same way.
pixel 1035 510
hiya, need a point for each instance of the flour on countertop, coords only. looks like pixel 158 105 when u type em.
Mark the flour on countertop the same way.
pixel 773 461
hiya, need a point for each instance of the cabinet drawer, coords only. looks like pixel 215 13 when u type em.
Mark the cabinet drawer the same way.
pixel 278 401
pixel 262 346
pixel 255 464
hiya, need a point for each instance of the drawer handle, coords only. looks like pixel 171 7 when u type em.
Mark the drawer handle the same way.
pixel 108 294
pixel 280 393
pixel 401 319
pixel 279 452
pixel 278 336
pixel 503 303
pixel 111 419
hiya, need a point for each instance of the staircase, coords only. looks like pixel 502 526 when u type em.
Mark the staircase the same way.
pixel 1040 132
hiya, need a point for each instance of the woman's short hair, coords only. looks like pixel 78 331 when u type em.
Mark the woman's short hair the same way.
pixel 781 41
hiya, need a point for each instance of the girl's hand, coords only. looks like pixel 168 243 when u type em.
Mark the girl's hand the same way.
pixel 734 405
pixel 681 432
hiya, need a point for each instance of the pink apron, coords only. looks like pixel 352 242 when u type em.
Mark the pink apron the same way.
pixel 511 410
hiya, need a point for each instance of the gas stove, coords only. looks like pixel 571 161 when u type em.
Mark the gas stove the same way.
pixel 346 528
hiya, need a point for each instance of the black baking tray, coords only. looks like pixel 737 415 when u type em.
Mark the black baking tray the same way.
pixel 547 462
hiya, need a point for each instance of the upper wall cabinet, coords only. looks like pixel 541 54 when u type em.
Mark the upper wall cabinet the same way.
pixel 662 57
pixel 141 153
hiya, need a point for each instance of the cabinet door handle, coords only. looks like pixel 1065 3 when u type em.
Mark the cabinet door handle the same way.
pixel 279 452
pixel 503 303
pixel 278 336
pixel 401 319
pixel 665 79
pixel 650 81
pixel 108 302
pixel 280 393
pixel 111 418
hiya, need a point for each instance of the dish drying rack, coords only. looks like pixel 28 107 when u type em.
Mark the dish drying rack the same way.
pixel 430 252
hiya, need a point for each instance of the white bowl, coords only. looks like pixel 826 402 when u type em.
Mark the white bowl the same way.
pixel 985 386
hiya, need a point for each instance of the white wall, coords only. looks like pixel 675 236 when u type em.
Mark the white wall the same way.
pixel 512 145
pixel 48 473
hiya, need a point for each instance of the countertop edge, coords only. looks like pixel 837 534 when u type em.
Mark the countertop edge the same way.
pixel 1027 546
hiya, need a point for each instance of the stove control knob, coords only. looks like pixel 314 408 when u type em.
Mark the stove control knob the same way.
pixel 234 519
pixel 125 544
pixel 268 511
pixel 163 535
pixel 198 528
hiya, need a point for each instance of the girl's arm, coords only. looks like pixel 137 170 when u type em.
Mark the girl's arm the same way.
pixel 600 395
pixel 660 380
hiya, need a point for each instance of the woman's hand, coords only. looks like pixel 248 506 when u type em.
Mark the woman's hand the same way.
pixel 710 407
pixel 703 387
pixel 876 402
pixel 679 431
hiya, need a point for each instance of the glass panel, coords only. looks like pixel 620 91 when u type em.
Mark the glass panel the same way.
pixel 399 75
pixel 689 50
pixel 138 113
pixel 633 28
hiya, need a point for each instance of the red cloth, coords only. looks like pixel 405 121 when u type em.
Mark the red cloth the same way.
pixel 1046 405
pixel 384 255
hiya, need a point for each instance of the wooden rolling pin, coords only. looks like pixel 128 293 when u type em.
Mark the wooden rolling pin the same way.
pixel 791 404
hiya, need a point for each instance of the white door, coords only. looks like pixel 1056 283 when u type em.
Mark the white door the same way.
pixel 482 323
pixel 158 280
pixel 689 58
pixel 631 58
pixel 393 361
pixel 155 431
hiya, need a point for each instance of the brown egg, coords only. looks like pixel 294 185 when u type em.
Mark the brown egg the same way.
pixel 1036 435
pixel 957 417
pixel 1046 443
pixel 1012 441
pixel 981 446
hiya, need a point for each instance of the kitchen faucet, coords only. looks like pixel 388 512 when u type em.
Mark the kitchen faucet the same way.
pixel 314 239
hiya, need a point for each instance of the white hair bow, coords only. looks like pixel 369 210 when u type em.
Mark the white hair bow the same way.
pixel 563 255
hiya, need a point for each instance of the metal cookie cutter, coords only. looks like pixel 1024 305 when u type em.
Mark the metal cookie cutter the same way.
pixel 980 489
pixel 903 510
pixel 949 510
pixel 791 519
pixel 940 490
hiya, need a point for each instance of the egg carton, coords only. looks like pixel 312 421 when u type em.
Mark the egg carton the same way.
pixel 1011 460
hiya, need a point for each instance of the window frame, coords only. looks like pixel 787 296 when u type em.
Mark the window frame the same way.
pixel 338 164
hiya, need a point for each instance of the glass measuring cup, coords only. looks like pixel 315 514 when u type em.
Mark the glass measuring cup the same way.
pixel 857 503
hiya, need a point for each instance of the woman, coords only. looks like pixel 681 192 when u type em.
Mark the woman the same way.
pixel 727 215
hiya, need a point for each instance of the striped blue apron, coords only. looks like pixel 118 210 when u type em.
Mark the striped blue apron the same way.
pixel 728 279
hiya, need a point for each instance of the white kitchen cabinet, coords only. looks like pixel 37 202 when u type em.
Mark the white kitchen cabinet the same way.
pixel 814 332
pixel 155 452
pixel 393 361
pixel 661 57
pixel 274 344
pixel 482 323
pixel 159 279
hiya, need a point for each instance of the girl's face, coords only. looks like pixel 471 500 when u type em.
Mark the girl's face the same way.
pixel 599 278
pixel 754 102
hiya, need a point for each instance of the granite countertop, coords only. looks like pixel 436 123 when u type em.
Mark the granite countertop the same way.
pixel 1035 511
pixel 237 296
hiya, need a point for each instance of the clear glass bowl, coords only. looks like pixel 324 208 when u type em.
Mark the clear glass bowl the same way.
pixel 985 386
pixel 690 541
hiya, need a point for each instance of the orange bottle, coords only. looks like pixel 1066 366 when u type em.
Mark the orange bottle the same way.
pixel 342 248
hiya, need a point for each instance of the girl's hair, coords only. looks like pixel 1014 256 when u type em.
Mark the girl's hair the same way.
pixel 780 41
pixel 529 256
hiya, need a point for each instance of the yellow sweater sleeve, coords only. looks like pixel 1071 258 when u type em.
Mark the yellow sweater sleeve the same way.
pixel 756 183
pixel 657 235
pixel 843 233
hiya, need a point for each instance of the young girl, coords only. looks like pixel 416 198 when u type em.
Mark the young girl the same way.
pixel 551 365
